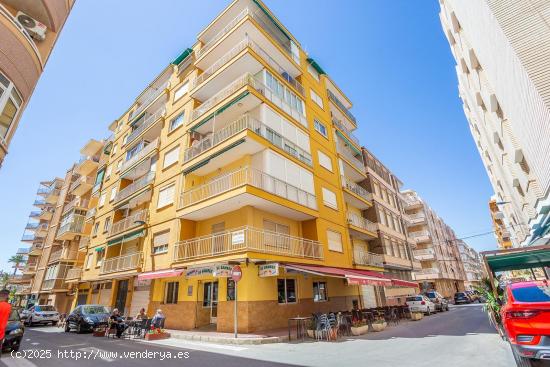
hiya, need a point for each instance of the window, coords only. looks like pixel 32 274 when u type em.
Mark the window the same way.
pixel 171 157
pixel 316 98
pixel 334 240
pixel 113 152
pixel 311 70
pixel 210 294
pixel 10 103
pixel 89 261
pixel 176 121
pixel 329 198
pixel 319 291
pixel 166 196
pixel 180 92
pixel 107 225
pixel 125 139
pixel 160 242
pixel 230 289
pixel 324 160
pixel 102 200
pixel 171 292
pixel 321 128
pixel 119 165
pixel 108 172
pixel 286 290
pixel 276 235
pixel 99 255
pixel 96 228
pixel 113 194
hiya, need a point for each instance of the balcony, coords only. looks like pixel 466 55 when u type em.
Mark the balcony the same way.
pixel 365 258
pixel 76 203
pixel 63 254
pixel 140 155
pixel 149 97
pixel 247 239
pixel 39 203
pixel 343 128
pixel 34 214
pixel 146 124
pixel 412 203
pixel 71 227
pixel 73 275
pixel 83 243
pixel 82 185
pixel 46 213
pixel 424 254
pixel 244 123
pixel 42 230
pixel 29 269
pixel 90 214
pixel 27 237
pixel 122 263
pixel 52 196
pixel 349 116
pixel 241 178
pixel 54 284
pixel 35 249
pixel 356 191
pixel 420 236
pixel 32 226
pixel 427 274
pixel 87 165
pixel 362 224
pixel 351 155
pixel 135 187
pixel 133 221
pixel 416 219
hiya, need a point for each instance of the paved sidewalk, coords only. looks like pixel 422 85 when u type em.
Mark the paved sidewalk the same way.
pixel 268 337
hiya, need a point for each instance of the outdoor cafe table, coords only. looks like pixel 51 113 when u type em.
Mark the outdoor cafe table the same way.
pixel 300 326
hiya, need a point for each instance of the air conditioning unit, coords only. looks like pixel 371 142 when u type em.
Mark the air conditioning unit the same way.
pixel 35 29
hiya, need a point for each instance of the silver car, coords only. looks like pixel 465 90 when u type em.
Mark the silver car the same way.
pixel 42 314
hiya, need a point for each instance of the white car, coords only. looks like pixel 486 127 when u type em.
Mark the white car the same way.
pixel 42 314
pixel 420 303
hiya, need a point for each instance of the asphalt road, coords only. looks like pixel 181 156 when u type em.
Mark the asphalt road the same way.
pixel 459 337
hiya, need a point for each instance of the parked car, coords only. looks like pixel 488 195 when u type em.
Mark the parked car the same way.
pixel 420 303
pixel 42 314
pixel 462 297
pixel 24 312
pixel 526 320
pixel 87 318
pixel 440 302
pixel 14 332
pixel 473 295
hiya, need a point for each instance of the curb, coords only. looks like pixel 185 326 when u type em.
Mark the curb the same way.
pixel 220 340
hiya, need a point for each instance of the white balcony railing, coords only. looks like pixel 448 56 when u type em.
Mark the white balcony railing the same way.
pixel 248 176
pixel 135 186
pixel 424 254
pixel 77 202
pixel 84 242
pixel 340 105
pixel 58 283
pixel 417 218
pixel 132 221
pixel 356 189
pixel 82 180
pixel 350 156
pixel 243 123
pixel 361 222
pixel 75 224
pixel 121 263
pixel 149 97
pixel 247 239
pixel 90 213
pixel 340 125
pixel 73 273
pixel 428 271
pixel 362 257
pixel 419 234
pixel 144 152
pixel 149 121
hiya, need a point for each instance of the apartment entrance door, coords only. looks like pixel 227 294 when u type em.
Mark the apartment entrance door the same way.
pixel 122 291
pixel 210 300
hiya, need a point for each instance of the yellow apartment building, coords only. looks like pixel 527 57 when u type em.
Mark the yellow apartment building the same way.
pixel 502 233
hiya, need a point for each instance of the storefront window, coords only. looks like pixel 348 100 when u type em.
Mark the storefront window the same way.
pixel 171 295
pixel 210 295
pixel 286 290
pixel 319 291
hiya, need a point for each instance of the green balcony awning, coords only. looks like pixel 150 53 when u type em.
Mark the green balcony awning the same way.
pixel 99 249
pixel 315 66
pixel 220 110
pixel 127 237
pixel 206 161
pixel 182 56
pixel 352 147
pixel 518 258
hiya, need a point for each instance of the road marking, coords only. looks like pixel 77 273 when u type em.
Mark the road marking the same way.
pixel 51 329
pixel 16 362
pixel 35 343
pixel 70 345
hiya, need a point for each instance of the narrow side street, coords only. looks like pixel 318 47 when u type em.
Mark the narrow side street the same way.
pixel 460 337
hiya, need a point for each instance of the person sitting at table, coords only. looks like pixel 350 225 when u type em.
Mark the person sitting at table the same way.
pixel 158 319
pixel 141 315
pixel 117 322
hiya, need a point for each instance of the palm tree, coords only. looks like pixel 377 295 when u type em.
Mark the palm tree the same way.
pixel 16 260
pixel 4 278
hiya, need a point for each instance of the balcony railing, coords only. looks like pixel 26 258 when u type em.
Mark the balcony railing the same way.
pixel 135 186
pixel 248 176
pixel 77 202
pixel 83 243
pixel 149 121
pixel 410 202
pixel 361 222
pixel 29 268
pixel 73 273
pixel 144 152
pixel 74 224
pixel 63 254
pixel 90 213
pixel 247 239
pixel 149 97
pixel 247 42
pixel 346 131
pixel 28 237
pixel 356 189
pixel 340 105
pixel 34 214
pixel 121 263
pixel 428 271
pixel 32 226
pixel 82 180
pixel 362 257
pixel 39 202
pixel 417 218
pixel 350 156
pixel 127 223
pixel 58 283
pixel 419 234
pixel 35 247
pixel 424 254
pixel 243 123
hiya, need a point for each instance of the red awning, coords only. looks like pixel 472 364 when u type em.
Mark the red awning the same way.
pixel 351 275
pixel 404 283
pixel 160 274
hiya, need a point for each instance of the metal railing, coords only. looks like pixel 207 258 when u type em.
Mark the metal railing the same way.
pixel 409 202
pixel 361 222
pixel 207 46
pixel 363 257
pixel 91 213
pixel 149 97
pixel 77 202
pixel 135 186
pixel 121 263
pixel 247 239
pixel 340 105
pixel 419 234
pixel 73 273
pixel 74 224
pixel 93 158
pixel 32 225
pixel 355 188
pixel 58 283
pixel 424 253
pixel 35 246
pixel 428 271
pixel 39 202
pixel 340 125
pixel 146 150
pixel 82 180
pixel 149 121
pixel 350 156
pixel 247 176
pixel 243 44
pixel 417 218
pixel 27 237
pixel 129 222
pixel 243 123
pixel 84 242
pixel 34 214
pixel 29 268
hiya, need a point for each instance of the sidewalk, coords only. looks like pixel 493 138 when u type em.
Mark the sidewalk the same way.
pixel 268 337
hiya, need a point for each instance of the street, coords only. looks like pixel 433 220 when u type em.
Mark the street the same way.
pixel 460 337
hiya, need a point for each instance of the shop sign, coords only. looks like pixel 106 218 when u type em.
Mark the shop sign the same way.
pixel 237 237
pixel 197 272
pixel 268 270
pixel 222 271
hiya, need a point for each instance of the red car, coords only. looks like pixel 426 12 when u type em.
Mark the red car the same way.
pixel 526 320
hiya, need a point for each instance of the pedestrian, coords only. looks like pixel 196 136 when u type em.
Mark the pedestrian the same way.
pixel 5 310
pixel 141 315
pixel 117 322
pixel 158 319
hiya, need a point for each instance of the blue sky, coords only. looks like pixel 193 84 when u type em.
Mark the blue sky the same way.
pixel 390 57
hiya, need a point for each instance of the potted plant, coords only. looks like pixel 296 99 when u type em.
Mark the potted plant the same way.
pixel 379 325
pixel 100 331
pixel 359 327
pixel 415 316
pixel 156 334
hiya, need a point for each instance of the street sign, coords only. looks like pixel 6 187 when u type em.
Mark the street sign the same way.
pixel 236 273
